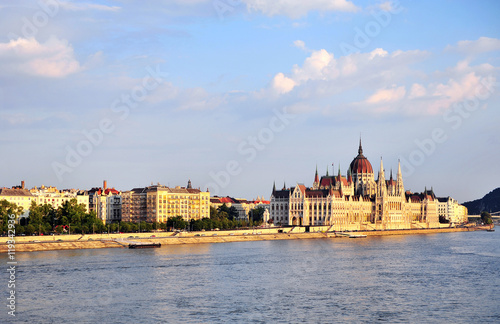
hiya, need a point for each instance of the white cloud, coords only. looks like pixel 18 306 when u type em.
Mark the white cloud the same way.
pixel 444 95
pixel 55 58
pixel 347 71
pixel 385 80
pixel 19 118
pixel 387 95
pixel 417 90
pixel 386 6
pixel 86 6
pixel 481 45
pixel 377 52
pixel 300 44
pixel 298 8
pixel 282 84
pixel 300 107
pixel 169 95
pixel 314 67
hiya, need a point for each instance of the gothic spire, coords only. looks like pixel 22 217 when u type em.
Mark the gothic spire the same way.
pixel 400 180
pixel 381 172
pixel 360 150
pixel 399 175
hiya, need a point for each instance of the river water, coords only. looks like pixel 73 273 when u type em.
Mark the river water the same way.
pixel 434 278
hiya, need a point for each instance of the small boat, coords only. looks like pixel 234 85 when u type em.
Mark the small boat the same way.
pixel 490 230
pixel 357 236
pixel 144 245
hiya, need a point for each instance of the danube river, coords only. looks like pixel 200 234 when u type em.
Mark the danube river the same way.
pixel 434 278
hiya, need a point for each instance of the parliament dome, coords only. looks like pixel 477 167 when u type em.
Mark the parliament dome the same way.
pixel 360 164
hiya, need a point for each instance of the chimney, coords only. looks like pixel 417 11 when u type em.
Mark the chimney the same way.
pixel 105 185
pixel 22 184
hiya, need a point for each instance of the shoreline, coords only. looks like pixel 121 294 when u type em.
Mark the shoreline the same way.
pixel 98 241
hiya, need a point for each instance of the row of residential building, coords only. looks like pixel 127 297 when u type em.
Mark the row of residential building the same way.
pixel 155 203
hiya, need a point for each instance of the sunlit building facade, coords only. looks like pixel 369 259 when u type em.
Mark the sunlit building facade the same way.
pixel 355 202
pixel 106 203
pixel 451 211
pixel 157 203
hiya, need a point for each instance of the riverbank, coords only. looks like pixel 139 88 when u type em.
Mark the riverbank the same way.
pixel 97 241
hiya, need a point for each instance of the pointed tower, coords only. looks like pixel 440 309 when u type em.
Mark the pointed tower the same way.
pixel 382 188
pixel 189 185
pixel 392 185
pixel 316 179
pixel 362 174
pixel 327 171
pixel 274 187
pixel 400 187
pixel 284 185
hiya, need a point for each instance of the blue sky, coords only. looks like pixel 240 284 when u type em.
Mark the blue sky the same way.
pixel 235 95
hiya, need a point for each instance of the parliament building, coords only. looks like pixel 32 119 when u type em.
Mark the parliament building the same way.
pixel 355 202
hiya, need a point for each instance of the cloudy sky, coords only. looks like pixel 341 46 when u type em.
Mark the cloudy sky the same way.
pixel 237 94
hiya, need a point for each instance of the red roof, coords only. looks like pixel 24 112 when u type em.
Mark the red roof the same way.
pixel 111 190
pixel 326 181
pixel 227 200
pixel 343 180
pixel 360 164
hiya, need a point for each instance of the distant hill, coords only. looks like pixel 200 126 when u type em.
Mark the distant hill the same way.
pixel 490 203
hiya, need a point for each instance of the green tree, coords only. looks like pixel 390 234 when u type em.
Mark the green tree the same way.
pixel 177 222
pixel 257 215
pixel 486 218
pixel 6 210
pixel 233 213
pixel 42 216
pixel 71 213
pixel 20 229
pixel 214 213
pixel 125 227
pixel 91 223
pixel 113 227
pixel 30 229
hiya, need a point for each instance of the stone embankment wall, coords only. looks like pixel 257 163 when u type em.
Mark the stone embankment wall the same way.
pixel 95 241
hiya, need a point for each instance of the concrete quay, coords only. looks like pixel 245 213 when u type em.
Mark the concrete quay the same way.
pixel 96 241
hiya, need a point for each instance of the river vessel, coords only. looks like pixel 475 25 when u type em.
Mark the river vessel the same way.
pixel 143 245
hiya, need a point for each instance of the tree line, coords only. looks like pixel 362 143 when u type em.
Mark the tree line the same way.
pixel 72 218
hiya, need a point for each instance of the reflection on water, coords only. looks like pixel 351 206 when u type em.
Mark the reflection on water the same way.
pixel 453 277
